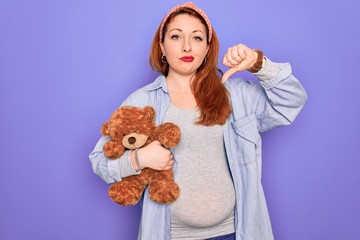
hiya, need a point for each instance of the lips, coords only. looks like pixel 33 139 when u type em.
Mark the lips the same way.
pixel 187 58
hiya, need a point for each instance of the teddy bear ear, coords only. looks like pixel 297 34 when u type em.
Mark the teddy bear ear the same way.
pixel 104 129
pixel 150 111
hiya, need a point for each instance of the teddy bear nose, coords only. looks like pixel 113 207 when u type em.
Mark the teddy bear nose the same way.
pixel 132 140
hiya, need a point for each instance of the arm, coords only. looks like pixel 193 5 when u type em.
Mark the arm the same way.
pixel 114 170
pixel 111 170
pixel 281 96
pixel 152 156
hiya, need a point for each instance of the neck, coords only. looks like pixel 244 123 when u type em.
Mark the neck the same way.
pixel 180 91
pixel 179 83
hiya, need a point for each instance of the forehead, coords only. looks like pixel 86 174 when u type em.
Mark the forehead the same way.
pixel 186 22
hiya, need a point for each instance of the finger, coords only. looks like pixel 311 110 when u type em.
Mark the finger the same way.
pixel 229 58
pixel 228 64
pixel 167 167
pixel 228 74
pixel 236 55
pixel 241 51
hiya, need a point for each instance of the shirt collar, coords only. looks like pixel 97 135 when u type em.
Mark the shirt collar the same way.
pixel 160 82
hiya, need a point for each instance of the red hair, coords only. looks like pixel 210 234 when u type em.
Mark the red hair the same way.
pixel 210 94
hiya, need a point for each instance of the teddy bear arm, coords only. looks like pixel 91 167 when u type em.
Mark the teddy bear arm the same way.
pixel 168 134
pixel 113 149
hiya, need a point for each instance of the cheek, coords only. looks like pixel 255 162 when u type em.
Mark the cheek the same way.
pixel 171 46
pixel 201 52
pixel 200 48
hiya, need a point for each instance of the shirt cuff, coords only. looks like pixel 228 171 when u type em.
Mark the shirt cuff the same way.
pixel 285 72
pixel 268 71
pixel 125 166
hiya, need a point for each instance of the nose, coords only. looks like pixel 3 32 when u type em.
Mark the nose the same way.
pixel 186 45
pixel 132 140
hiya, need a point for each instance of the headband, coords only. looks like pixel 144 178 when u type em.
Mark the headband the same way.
pixel 192 6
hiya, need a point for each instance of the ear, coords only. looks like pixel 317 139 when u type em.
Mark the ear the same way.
pixel 150 112
pixel 162 48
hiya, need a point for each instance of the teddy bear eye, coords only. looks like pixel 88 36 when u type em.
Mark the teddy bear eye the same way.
pixel 124 134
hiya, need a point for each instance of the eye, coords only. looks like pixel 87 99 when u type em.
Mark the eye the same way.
pixel 175 37
pixel 197 38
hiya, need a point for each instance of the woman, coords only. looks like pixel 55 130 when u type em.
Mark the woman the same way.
pixel 218 161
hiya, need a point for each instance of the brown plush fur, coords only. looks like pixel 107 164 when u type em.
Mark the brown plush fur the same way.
pixel 130 128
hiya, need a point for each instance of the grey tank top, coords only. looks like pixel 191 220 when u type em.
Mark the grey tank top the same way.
pixel 205 207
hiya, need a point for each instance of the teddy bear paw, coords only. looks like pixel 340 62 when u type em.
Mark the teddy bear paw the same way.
pixel 164 193
pixel 125 192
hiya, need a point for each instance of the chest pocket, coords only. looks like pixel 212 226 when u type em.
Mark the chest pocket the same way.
pixel 247 139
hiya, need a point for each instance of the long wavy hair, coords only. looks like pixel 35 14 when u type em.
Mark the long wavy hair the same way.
pixel 210 94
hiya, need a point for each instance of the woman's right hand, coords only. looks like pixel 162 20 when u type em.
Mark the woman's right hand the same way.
pixel 238 58
pixel 153 156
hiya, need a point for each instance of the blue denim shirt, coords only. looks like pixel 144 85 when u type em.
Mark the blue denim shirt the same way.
pixel 255 108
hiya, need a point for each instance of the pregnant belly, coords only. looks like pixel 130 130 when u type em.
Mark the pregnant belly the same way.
pixel 203 206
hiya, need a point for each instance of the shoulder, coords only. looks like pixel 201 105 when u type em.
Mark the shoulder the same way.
pixel 142 96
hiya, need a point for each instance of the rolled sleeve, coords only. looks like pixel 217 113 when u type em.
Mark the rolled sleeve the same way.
pixel 268 71
pixel 126 168
pixel 113 168
pixel 283 100
pixel 110 170
pixel 275 102
pixel 284 71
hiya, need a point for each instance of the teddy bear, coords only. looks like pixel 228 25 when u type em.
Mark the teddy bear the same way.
pixel 131 128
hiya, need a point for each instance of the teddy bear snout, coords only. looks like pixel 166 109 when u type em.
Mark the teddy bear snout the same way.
pixel 134 140
pixel 131 140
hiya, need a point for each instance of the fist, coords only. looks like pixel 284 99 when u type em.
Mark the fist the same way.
pixel 155 156
pixel 238 59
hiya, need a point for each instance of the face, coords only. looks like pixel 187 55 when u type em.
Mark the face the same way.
pixel 185 45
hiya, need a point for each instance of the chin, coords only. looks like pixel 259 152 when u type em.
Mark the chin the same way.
pixel 184 71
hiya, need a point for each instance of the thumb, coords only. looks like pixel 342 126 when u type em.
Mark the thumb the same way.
pixel 228 74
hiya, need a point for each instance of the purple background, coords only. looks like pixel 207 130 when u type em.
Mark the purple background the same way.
pixel 66 65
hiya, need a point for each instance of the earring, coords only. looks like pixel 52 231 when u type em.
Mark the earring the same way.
pixel 163 59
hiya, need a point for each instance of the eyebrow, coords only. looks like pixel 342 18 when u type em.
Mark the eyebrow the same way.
pixel 178 29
